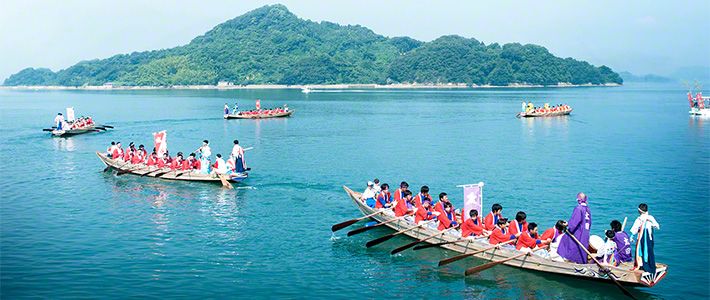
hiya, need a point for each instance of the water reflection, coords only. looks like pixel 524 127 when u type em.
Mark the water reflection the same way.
pixel 64 144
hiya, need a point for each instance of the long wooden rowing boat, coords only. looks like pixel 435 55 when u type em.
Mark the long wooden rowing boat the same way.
pixel 622 273
pixel 70 132
pixel 544 114
pixel 259 116
pixel 165 173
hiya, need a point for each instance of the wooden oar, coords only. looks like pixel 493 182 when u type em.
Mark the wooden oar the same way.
pixel 449 242
pixel 152 172
pixel 623 225
pixel 609 273
pixel 492 264
pixel 225 182
pixel 48 129
pixel 107 126
pixel 347 223
pixel 183 172
pixel 462 256
pixel 366 228
pixel 385 238
pixel 412 244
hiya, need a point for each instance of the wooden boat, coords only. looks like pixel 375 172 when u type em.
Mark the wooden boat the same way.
pixel 164 173
pixel 71 132
pixel 544 114
pixel 259 116
pixel 623 274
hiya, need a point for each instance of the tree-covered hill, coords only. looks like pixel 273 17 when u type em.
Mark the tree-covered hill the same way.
pixel 270 45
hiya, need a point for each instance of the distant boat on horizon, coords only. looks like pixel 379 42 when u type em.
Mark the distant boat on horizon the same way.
pixel 306 90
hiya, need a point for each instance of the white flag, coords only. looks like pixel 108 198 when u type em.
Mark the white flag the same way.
pixel 160 140
pixel 472 199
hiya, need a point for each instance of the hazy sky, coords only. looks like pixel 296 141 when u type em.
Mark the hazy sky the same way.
pixel 638 36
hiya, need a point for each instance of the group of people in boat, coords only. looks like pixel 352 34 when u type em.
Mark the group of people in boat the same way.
pixel 518 232
pixel 197 161
pixel 82 122
pixel 698 101
pixel 265 111
pixel 529 108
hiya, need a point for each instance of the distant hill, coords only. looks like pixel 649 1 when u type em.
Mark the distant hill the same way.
pixel 629 77
pixel 270 45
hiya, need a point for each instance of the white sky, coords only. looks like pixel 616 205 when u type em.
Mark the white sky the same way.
pixel 637 36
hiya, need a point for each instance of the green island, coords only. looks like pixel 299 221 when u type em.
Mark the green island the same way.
pixel 271 45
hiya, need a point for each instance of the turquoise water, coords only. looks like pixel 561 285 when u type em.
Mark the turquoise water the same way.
pixel 68 230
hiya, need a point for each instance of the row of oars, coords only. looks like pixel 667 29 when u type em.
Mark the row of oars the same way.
pixel 160 172
pixel 97 128
pixel 469 271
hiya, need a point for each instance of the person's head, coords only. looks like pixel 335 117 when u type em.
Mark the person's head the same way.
pixel 385 187
pixel 219 155
pixel 496 208
pixel 473 213
pixel 521 216
pixel 59 114
pixel 206 142
pixel 165 155
pixel 192 155
pixel 424 189
pixel 377 181
pixel 153 153
pixel 370 184
pixel 443 197
pixel 615 225
pixel 426 203
pixel 610 234
pixel 131 145
pixel 236 142
pixel 113 143
pixel 141 147
pixel 532 228
pixel 643 208
pixel 118 144
pixel 581 198
pixel 447 207
pixel 404 185
pixel 408 195
pixel 502 222
pixel 560 225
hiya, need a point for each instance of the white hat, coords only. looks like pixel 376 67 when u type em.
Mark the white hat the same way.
pixel 370 183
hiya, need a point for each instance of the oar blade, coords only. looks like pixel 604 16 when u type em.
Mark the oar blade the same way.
pixel 342 225
pixel 420 247
pixel 489 265
pixel 405 247
pixel 379 240
pixel 362 229
pixel 447 261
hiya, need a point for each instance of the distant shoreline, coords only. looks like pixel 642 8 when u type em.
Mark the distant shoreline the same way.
pixel 299 87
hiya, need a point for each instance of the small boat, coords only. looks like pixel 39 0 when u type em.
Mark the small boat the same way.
pixel 258 116
pixel 703 112
pixel 71 132
pixel 164 173
pixel 306 90
pixel 623 274
pixel 548 113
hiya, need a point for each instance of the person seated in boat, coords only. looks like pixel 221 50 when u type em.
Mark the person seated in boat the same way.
pixel 519 224
pixel 384 197
pixel 164 161
pixel 220 166
pixel 447 218
pixel 128 154
pixel 473 226
pixel 399 193
pixel 424 212
pixel 491 220
pixel 554 234
pixel 529 238
pixel 530 108
pixel 422 196
pixel 368 196
pixel 109 150
pixel 152 159
pixel 623 242
pixel 608 253
pixel 236 108
pixel 59 121
pixel 286 107
pixel 176 162
pixel 578 225
pixel 500 233
pixel 137 157
pixel 117 151
pixel 439 206
pixel 405 205
pixel 645 258
pixel 204 150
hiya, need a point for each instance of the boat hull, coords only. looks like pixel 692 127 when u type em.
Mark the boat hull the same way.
pixel 260 116
pixel 550 114
pixel 71 132
pixel 533 262
pixel 143 170
pixel 703 112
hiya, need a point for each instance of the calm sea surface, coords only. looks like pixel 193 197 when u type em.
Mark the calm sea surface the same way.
pixel 68 230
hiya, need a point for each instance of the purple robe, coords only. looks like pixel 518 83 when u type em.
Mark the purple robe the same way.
pixel 578 225
pixel 623 246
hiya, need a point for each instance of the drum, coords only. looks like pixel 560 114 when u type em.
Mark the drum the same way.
pixel 596 243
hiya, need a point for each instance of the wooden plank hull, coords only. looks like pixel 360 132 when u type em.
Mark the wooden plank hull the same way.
pixel 71 132
pixel 533 262
pixel 141 169
pixel 549 114
pixel 260 116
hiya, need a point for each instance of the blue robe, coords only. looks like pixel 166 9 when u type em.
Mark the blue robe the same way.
pixel 578 225
pixel 644 249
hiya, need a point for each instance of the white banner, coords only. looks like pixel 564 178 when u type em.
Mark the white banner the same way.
pixel 160 140
pixel 70 114
pixel 472 199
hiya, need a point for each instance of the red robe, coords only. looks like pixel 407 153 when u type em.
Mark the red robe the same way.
pixel 418 199
pixel 469 228
pixel 398 195
pixel 446 220
pixel 160 163
pixel 117 153
pixel 498 236
pixel 196 164
pixel 489 223
pixel 151 160
pixel 401 208
pixel 423 215
pixel 186 165
pixel 526 240
pixel 175 164
pixel 550 233
pixel 514 227
pixel 386 197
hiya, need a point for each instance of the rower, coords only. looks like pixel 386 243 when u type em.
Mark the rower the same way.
pixel 162 162
pixel 555 234
pixel 500 233
pixel 425 213
pixel 58 121
pixel 152 159
pixel 422 196
pixel 622 240
pixel 609 252
pixel 491 220
pixel 578 225
pixel 195 162
pixel 643 229
pixel 117 151
pixel 399 193
pixel 405 205
pixel 473 225
pixel 219 167
pixel 384 198
pixel 529 238
pixel 439 206
pixel 368 196
pixel 176 163
pixel 238 154
pixel 143 152
pixel 109 151
pixel 447 219
pixel 519 224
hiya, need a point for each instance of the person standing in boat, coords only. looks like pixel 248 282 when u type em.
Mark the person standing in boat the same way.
pixel 377 185
pixel 238 155
pixel 523 107
pixel 226 108
pixel 643 229
pixel 204 150
pixel 58 121
pixel 368 196
pixel 578 225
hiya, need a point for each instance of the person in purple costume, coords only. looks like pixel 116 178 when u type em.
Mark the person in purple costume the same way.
pixel 623 242
pixel 578 225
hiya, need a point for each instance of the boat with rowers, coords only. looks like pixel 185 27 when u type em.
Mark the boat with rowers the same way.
pixel 165 173
pixel 71 126
pixel 263 114
pixel 529 111
pixel 698 105
pixel 511 257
